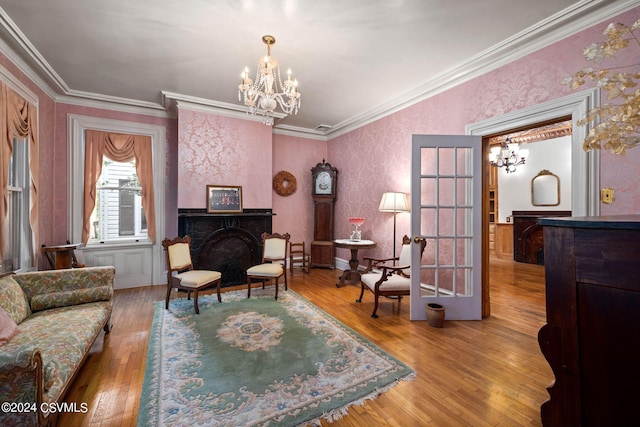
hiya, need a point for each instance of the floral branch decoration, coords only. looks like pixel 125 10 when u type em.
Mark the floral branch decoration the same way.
pixel 615 124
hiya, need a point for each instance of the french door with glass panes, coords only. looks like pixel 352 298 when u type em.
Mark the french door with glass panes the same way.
pixel 446 204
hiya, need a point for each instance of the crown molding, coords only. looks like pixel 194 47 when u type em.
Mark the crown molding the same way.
pixel 174 101
pixel 72 97
pixel 171 99
pixel 113 103
pixel 300 132
pixel 22 42
pixel 53 85
pixel 6 33
pixel 17 86
pixel 559 26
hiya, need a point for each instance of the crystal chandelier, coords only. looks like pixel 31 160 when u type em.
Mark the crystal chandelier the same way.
pixel 508 155
pixel 263 95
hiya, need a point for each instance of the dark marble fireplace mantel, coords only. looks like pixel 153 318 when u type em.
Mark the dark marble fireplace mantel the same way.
pixel 228 243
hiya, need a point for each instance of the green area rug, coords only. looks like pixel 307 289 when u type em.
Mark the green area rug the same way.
pixel 259 362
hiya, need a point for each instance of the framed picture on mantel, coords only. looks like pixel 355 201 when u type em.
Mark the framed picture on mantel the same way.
pixel 224 199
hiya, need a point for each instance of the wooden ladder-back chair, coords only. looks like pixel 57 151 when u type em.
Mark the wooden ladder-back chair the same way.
pixel 274 258
pixel 298 257
pixel 187 279
pixel 384 279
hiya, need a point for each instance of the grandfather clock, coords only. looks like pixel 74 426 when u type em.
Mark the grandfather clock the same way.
pixel 324 182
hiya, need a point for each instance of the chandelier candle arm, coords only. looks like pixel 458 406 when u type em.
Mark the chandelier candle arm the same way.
pixel 264 94
pixel 508 155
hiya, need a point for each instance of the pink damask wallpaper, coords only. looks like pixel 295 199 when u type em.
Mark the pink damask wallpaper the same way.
pixel 377 157
pixel 216 150
pixel 294 213
pixel 204 148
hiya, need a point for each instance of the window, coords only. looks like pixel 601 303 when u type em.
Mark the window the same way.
pixel 118 214
pixel 19 239
pixel 136 259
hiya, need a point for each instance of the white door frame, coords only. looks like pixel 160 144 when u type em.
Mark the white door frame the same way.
pixel 585 166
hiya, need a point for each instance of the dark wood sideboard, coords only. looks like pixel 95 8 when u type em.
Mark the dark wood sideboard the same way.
pixel 528 241
pixel 592 336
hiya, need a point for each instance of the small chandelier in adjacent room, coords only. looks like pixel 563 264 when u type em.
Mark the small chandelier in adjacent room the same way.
pixel 508 155
pixel 263 95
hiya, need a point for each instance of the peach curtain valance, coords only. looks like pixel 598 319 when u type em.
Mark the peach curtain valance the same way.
pixel 120 148
pixel 18 118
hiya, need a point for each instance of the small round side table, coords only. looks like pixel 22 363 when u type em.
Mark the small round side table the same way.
pixel 352 276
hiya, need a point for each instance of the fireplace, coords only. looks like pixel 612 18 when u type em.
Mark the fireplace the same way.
pixel 228 243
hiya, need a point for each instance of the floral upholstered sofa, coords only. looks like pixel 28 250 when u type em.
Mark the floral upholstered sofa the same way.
pixel 48 323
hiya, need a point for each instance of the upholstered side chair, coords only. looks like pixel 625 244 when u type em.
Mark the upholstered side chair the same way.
pixel 385 279
pixel 186 278
pixel 274 258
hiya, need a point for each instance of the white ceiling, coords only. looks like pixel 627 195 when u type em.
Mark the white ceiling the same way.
pixel 355 59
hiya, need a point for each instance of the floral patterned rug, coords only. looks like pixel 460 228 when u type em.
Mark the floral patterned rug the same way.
pixel 257 362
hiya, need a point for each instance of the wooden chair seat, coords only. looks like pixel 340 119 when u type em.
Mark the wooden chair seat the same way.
pixel 394 282
pixel 197 278
pixel 268 270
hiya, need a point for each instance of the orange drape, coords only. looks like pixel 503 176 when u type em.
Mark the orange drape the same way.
pixel 18 118
pixel 121 148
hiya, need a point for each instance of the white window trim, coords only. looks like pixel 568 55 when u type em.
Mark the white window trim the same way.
pixel 76 126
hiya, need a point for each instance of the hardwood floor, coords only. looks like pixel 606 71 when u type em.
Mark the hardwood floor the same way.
pixel 473 373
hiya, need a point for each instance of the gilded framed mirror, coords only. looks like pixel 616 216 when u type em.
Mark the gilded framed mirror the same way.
pixel 545 189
